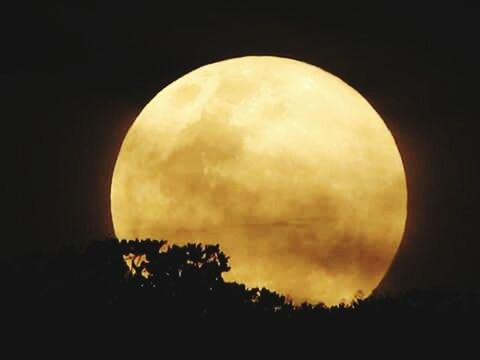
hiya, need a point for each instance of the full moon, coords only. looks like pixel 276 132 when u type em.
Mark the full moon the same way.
pixel 284 165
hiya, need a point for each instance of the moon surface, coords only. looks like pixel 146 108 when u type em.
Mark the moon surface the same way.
pixel 284 165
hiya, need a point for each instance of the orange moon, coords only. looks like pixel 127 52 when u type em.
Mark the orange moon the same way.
pixel 284 165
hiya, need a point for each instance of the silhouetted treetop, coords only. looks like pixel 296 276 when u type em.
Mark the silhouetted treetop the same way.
pixel 149 279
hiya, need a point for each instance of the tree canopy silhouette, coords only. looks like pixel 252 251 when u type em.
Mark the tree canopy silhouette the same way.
pixel 152 280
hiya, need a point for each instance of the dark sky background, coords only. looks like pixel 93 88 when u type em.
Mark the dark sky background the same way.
pixel 74 77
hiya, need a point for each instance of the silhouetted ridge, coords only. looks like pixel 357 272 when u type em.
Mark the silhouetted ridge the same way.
pixel 150 281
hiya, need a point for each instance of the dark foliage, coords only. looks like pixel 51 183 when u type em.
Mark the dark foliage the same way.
pixel 134 283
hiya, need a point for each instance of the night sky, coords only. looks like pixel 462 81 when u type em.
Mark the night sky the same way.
pixel 74 77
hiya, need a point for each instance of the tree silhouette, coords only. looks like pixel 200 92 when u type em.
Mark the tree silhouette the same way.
pixel 149 281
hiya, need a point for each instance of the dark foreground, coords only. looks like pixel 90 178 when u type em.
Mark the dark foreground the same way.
pixel 144 289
